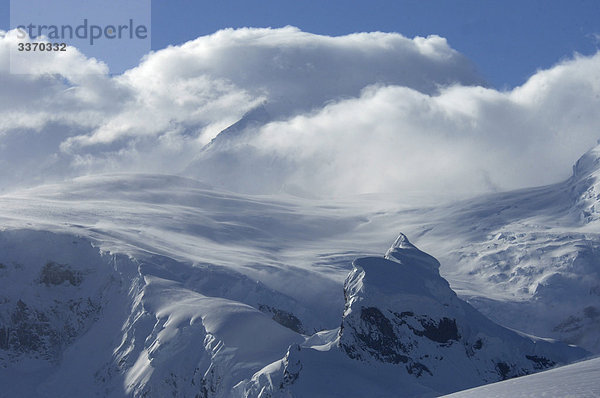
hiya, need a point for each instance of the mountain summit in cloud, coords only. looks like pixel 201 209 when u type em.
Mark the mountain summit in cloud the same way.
pixel 413 110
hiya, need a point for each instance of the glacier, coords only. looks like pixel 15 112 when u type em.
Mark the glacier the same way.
pixel 146 284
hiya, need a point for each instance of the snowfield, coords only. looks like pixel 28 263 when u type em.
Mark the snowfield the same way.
pixel 137 285
pixel 576 380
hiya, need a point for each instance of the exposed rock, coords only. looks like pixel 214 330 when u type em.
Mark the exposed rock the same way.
pixel 57 274
pixel 283 318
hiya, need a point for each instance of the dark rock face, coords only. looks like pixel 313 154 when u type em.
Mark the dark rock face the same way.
pixel 284 318
pixel 509 370
pixel 377 338
pixel 503 370
pixel 52 293
pixel 441 331
pixel 292 366
pixel 44 334
pixel 30 331
pixel 540 362
pixel 57 274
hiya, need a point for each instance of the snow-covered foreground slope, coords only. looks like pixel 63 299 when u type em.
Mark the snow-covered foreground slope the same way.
pixel 579 380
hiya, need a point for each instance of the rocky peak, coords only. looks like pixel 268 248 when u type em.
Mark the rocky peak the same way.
pixel 402 251
pixel 404 329
pixel 399 312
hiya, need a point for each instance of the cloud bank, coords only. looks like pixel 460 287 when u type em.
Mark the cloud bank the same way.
pixel 369 112
pixel 463 140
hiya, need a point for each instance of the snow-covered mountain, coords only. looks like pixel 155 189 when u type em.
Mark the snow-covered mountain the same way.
pixel 125 285
pixel 528 259
pixel 252 119
pixel 79 322
pixel 403 322
pixel 219 162
pixel 154 285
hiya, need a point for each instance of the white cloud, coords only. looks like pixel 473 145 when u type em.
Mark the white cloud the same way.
pixel 460 141
pixel 357 113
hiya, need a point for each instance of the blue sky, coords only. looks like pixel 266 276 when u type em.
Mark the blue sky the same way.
pixel 508 40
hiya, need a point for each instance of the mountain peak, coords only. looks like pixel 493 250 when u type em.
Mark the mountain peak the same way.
pixel 253 119
pixel 402 242
pixel 587 164
pixel 399 311
pixel 404 252
pixel 406 322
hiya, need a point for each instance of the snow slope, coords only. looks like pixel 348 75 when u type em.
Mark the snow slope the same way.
pixel 111 279
pixel 85 323
pixel 577 380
